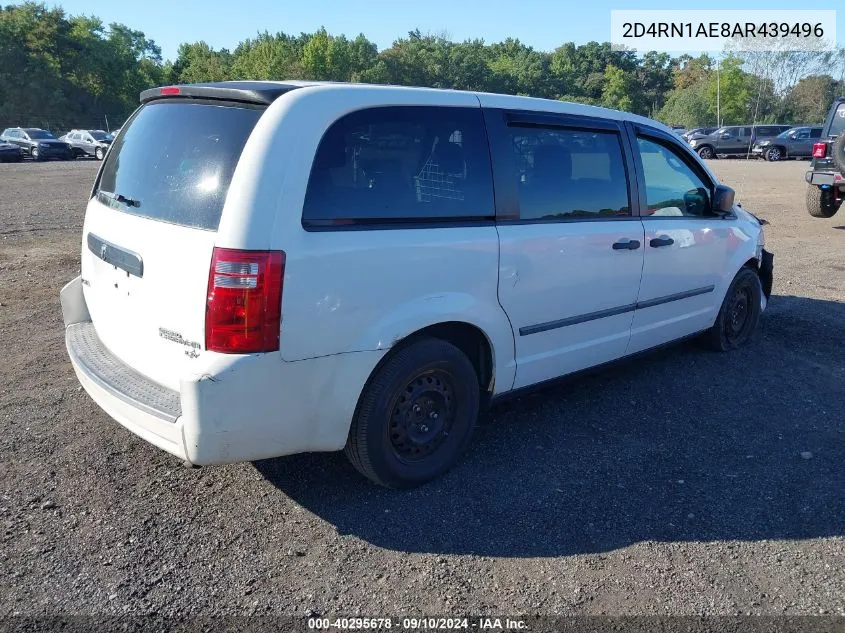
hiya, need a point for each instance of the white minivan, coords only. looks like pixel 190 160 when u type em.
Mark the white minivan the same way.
pixel 277 267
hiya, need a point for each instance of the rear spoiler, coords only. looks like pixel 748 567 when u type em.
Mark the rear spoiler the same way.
pixel 258 92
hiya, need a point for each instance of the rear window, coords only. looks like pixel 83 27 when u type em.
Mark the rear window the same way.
pixel 175 160
pixel 837 125
pixel 401 164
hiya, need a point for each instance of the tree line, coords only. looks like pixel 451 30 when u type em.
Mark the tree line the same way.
pixel 62 71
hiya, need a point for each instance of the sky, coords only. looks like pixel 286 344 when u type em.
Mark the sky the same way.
pixel 543 24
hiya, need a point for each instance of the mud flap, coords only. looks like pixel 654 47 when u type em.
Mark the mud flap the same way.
pixel 767 272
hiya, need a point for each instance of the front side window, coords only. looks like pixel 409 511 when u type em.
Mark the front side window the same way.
pixel 569 174
pixel 401 164
pixel 673 189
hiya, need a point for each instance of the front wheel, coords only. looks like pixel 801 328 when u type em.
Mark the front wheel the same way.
pixel 416 415
pixel 739 315
pixel 707 152
pixel 774 154
pixel 35 154
pixel 98 153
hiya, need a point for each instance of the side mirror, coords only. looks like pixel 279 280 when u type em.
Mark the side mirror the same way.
pixel 723 200
pixel 697 201
pixel 724 136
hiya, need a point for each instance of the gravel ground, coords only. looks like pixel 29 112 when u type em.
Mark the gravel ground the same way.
pixel 684 483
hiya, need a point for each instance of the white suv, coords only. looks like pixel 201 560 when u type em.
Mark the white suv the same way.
pixel 277 267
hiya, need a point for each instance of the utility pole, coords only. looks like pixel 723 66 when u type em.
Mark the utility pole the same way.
pixel 718 96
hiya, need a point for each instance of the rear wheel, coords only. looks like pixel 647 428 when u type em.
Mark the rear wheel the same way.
pixel 739 314
pixel 706 152
pixel 820 202
pixel 416 415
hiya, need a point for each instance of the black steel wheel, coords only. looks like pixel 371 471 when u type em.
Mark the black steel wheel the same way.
pixel 416 415
pixel 740 313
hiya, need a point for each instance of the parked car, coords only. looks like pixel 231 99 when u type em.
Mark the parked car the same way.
pixel 36 143
pixel 734 139
pixel 88 142
pixel 10 153
pixel 826 178
pixel 277 267
pixel 698 132
pixel 796 142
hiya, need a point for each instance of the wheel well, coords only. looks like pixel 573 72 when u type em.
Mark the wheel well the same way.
pixel 753 264
pixel 467 338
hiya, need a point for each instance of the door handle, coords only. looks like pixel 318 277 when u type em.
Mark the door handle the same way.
pixel 663 240
pixel 626 245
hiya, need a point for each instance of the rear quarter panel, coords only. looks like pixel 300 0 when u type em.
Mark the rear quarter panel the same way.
pixel 348 291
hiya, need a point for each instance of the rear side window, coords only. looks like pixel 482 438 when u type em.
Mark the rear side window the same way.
pixel 401 164
pixel 816 132
pixel 175 160
pixel 769 131
pixel 837 125
pixel 569 174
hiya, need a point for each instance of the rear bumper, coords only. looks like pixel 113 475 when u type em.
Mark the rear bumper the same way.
pixel 238 408
pixel 825 178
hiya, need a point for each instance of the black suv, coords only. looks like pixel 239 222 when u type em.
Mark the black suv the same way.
pixel 38 144
pixel 733 139
pixel 826 178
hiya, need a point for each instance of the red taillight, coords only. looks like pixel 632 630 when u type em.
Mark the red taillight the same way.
pixel 171 90
pixel 819 150
pixel 244 301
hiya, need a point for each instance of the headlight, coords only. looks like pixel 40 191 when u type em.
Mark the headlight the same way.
pixel 693 142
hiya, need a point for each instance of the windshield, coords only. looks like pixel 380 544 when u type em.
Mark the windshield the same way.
pixel 175 160
pixel 99 135
pixel 837 126
pixel 41 134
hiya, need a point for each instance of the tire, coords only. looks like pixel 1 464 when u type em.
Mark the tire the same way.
pixel 35 154
pixel 774 154
pixel 739 315
pixel 392 441
pixel 706 152
pixel 820 203
pixel 98 153
pixel 837 153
